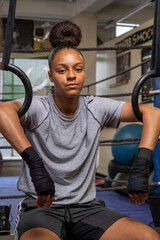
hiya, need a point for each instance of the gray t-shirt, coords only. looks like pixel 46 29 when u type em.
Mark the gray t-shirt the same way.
pixel 67 145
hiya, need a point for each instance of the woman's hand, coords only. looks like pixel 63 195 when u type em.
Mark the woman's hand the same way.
pixel 138 197
pixel 44 200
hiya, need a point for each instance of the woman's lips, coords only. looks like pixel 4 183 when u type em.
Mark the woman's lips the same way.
pixel 72 85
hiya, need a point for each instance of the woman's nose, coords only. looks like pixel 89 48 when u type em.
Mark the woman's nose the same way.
pixel 71 74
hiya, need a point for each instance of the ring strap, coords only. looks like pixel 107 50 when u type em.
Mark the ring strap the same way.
pixel 155 60
pixel 9 34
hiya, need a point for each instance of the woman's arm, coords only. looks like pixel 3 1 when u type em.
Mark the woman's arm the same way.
pixel 10 126
pixel 138 179
pixel 151 123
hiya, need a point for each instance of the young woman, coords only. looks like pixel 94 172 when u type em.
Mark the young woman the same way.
pixel 59 143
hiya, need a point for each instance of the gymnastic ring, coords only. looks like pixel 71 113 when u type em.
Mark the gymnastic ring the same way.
pixel 136 91
pixel 27 85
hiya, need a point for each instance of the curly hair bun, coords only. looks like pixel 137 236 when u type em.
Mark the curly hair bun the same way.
pixel 65 33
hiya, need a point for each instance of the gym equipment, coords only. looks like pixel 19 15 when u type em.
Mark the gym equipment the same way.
pixel 122 154
pixel 154 199
pixel 4 65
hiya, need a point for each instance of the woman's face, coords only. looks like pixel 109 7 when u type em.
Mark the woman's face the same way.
pixel 67 73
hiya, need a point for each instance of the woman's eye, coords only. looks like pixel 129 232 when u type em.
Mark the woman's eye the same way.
pixel 61 71
pixel 78 69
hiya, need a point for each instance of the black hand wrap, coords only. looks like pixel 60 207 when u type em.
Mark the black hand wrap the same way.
pixel 42 181
pixel 139 174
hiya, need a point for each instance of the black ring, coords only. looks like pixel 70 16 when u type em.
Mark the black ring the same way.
pixel 136 91
pixel 27 85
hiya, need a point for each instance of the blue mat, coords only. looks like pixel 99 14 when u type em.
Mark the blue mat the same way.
pixel 113 200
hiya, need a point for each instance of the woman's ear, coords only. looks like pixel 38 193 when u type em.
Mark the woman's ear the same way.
pixel 50 76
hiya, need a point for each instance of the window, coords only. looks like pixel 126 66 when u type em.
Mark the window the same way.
pixel 35 69
pixel 12 88
pixel 122 28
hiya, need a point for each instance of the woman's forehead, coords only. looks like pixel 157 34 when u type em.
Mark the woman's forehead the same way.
pixel 68 55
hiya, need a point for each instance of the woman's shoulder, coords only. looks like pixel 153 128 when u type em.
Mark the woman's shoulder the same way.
pixel 37 112
pixel 101 104
pixel 41 99
pixel 40 103
pixel 94 100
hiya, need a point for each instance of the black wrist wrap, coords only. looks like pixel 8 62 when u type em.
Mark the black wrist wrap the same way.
pixel 42 181
pixel 139 174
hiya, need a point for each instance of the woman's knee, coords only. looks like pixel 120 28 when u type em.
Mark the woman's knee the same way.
pixel 39 234
pixel 144 231
pixel 130 229
pixel 151 235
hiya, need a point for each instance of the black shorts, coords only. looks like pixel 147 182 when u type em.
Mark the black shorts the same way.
pixel 87 221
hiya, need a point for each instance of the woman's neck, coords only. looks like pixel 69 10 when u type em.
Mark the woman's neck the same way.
pixel 67 106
